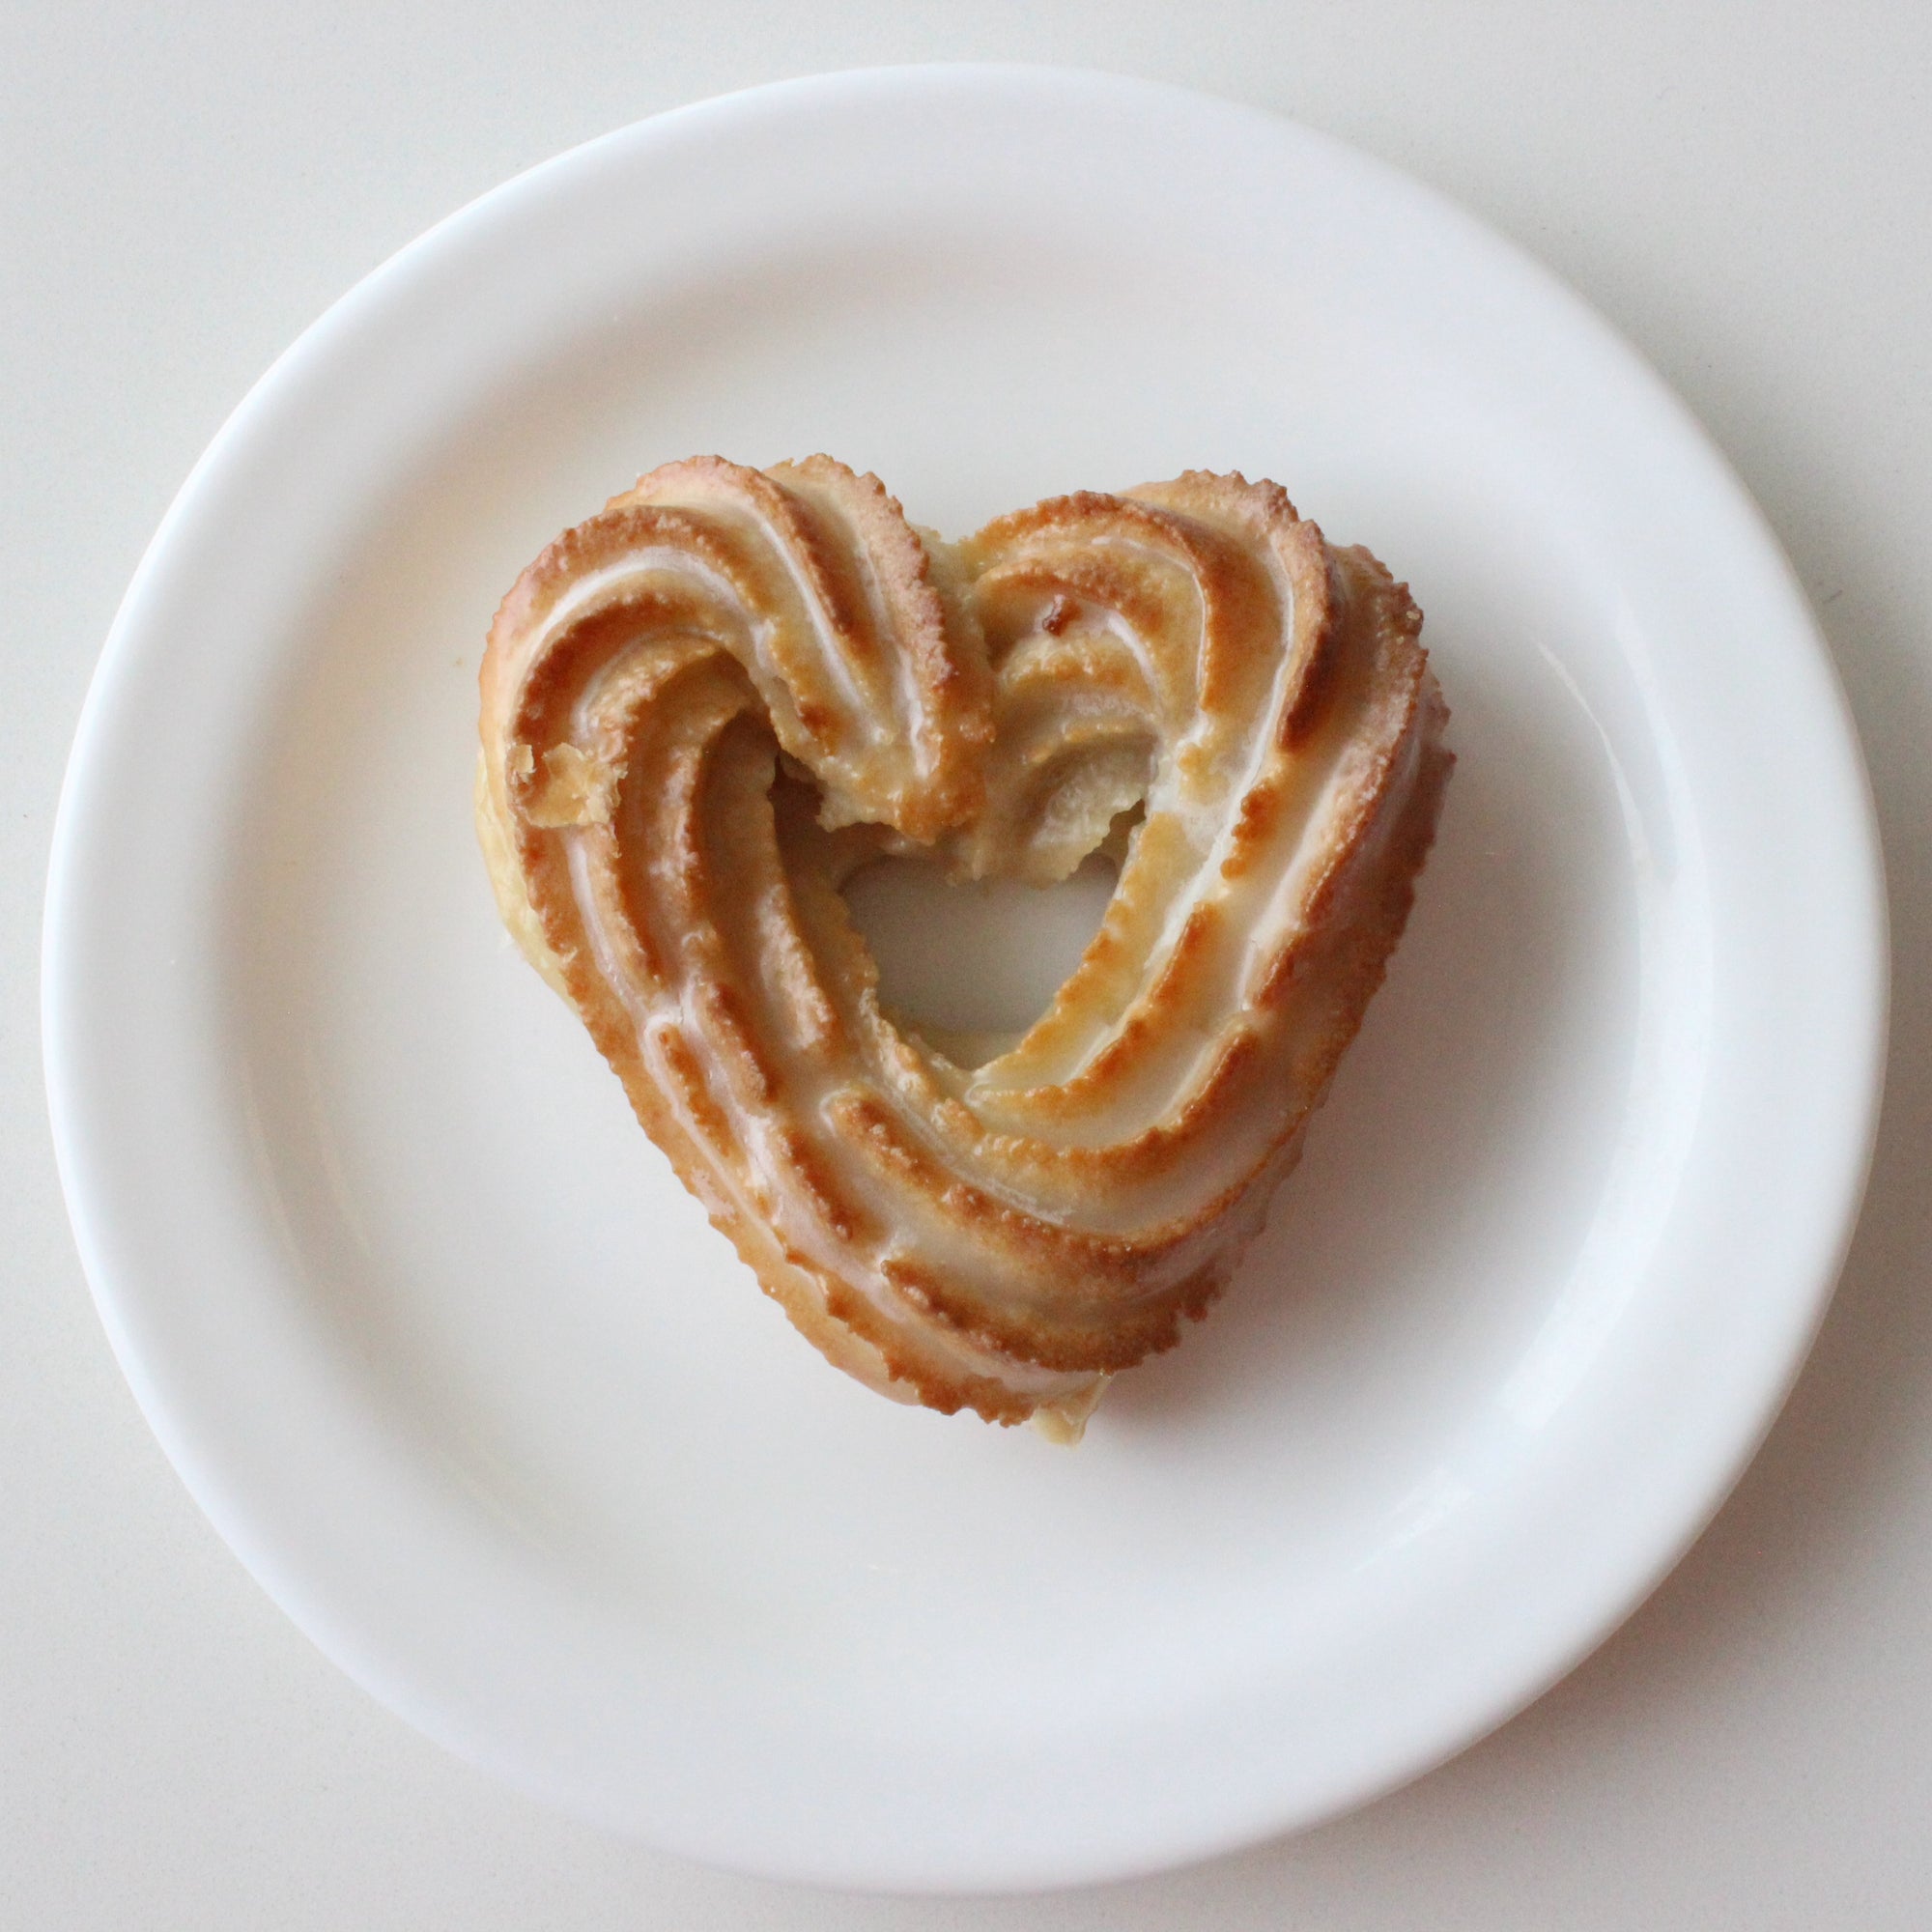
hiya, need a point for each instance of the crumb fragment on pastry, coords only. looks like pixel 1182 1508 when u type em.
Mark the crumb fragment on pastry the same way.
pixel 577 789
pixel 706 706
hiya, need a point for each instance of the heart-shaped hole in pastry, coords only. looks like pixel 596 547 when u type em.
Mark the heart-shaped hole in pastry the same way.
pixel 710 709
pixel 970 965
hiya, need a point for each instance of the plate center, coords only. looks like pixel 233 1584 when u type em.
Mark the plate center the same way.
pixel 971 965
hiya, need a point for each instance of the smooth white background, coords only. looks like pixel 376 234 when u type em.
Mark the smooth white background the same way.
pixel 1743 191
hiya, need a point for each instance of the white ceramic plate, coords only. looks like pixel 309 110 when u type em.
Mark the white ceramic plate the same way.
pixel 447 1356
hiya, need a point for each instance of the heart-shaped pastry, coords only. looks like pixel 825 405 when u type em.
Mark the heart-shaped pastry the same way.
pixel 705 707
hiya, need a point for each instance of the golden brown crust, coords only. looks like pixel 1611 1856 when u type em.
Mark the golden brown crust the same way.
pixel 999 1238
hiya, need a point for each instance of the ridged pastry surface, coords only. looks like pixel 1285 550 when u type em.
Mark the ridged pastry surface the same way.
pixel 705 707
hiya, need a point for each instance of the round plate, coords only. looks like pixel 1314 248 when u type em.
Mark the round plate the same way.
pixel 468 1381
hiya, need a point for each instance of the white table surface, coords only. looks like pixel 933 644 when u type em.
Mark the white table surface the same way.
pixel 1745 189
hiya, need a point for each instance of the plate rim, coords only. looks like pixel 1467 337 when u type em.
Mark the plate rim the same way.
pixel 61 1020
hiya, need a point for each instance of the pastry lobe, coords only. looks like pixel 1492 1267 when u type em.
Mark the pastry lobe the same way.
pixel 704 708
